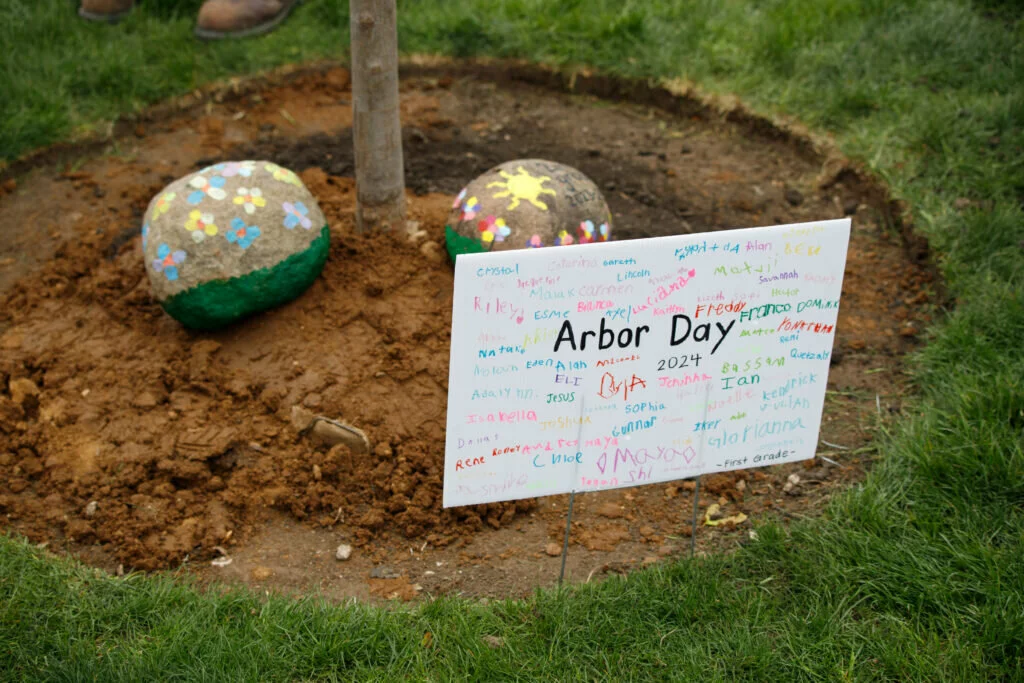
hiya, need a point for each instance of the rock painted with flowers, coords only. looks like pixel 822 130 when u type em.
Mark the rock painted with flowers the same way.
pixel 524 204
pixel 230 240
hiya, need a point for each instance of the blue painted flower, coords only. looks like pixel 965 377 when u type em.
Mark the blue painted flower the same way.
pixel 296 215
pixel 145 236
pixel 206 188
pixel 241 234
pixel 167 262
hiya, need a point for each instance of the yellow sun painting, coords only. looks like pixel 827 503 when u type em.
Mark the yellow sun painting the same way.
pixel 522 186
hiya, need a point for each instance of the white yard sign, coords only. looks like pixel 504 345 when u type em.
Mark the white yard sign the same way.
pixel 598 366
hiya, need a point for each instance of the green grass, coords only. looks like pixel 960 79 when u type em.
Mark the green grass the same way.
pixel 918 574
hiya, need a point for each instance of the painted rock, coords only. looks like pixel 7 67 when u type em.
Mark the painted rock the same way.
pixel 231 240
pixel 527 203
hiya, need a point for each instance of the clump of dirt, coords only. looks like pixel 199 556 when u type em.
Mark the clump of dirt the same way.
pixel 127 439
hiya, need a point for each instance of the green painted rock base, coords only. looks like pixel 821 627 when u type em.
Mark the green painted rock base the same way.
pixel 215 304
pixel 457 244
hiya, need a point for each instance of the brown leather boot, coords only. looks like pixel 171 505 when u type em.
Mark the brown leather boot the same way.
pixel 241 18
pixel 110 11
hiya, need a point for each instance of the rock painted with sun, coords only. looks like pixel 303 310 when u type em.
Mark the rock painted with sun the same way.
pixel 526 204
pixel 231 240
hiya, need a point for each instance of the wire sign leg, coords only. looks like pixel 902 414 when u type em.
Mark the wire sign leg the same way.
pixel 565 544
pixel 693 525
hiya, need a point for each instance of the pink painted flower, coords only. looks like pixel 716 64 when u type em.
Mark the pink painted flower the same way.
pixel 458 199
pixel 563 239
pixel 470 209
pixel 534 242
pixel 493 230
pixel 586 232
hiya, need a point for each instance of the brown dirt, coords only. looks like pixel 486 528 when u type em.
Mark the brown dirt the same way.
pixel 187 443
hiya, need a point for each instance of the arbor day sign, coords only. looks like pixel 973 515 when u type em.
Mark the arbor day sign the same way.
pixel 599 366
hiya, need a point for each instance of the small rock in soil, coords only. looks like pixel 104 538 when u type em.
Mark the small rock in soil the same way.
pixel 146 399
pixel 384 572
pixel 343 552
pixel 553 549
pixel 493 642
pixel 330 434
pixel 301 418
pixel 718 484
pixel 432 251
pixel 91 508
pixel 816 474
pixel 610 510
pixel 22 389
pixel 794 196
pixel 221 562
pixel 908 330
pixel 650 560
pixel 261 573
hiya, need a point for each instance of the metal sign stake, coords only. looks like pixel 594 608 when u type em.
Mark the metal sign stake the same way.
pixel 693 525
pixel 565 544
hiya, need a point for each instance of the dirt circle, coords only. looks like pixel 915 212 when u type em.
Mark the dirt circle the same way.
pixel 130 441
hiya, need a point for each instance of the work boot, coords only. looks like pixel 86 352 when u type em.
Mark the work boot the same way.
pixel 240 18
pixel 110 11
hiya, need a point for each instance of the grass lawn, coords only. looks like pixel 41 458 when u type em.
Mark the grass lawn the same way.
pixel 918 574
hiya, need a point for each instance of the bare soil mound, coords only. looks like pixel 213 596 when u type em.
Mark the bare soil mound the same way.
pixel 128 440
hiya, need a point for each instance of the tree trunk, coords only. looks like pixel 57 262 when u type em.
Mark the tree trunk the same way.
pixel 380 180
